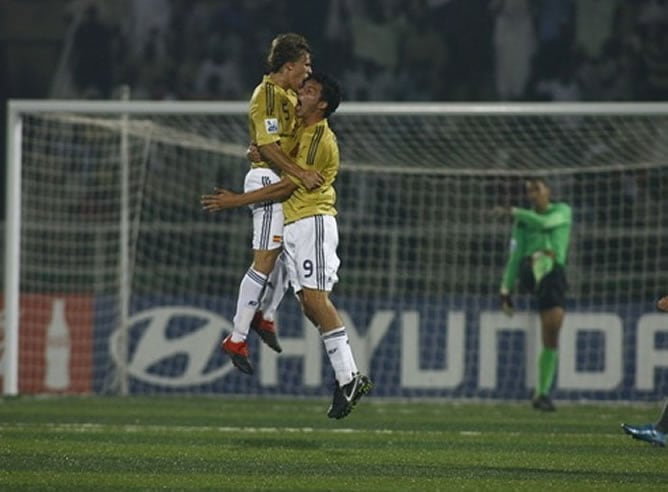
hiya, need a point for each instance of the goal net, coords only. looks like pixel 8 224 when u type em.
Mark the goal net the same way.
pixel 116 281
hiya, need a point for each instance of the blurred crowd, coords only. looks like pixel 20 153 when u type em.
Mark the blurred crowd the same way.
pixel 398 50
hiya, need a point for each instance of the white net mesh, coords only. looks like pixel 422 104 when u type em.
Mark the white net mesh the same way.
pixel 421 260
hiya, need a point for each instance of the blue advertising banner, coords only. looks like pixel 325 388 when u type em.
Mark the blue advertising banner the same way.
pixel 459 348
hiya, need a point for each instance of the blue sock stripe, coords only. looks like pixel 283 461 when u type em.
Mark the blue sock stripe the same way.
pixel 255 277
pixel 339 332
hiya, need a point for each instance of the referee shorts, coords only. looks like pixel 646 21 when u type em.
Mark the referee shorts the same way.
pixel 550 291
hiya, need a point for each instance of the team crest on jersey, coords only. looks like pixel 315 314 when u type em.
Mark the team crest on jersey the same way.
pixel 271 125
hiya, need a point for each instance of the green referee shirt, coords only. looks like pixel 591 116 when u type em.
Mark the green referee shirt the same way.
pixel 547 232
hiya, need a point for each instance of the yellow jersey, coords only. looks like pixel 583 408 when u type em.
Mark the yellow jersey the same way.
pixel 272 116
pixel 316 150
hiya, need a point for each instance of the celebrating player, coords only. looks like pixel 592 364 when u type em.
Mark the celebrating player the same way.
pixel 538 254
pixel 311 234
pixel 272 123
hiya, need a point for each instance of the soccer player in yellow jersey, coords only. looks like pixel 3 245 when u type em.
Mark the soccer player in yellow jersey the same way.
pixel 311 234
pixel 272 125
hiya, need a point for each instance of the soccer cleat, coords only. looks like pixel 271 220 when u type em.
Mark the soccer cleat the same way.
pixel 647 433
pixel 346 396
pixel 238 352
pixel 543 403
pixel 266 330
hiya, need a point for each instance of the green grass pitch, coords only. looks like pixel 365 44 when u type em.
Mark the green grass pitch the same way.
pixel 223 443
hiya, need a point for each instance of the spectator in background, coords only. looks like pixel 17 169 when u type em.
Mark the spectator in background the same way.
pixel 514 46
pixel 337 36
pixel 593 25
pixel 149 21
pixel 376 33
pixel 654 56
pixel 468 29
pixel 91 57
pixel 423 55
pixel 562 88
pixel 355 81
pixel 196 32
pixel 221 65
pixel 148 69
pixel 553 20
pixel 608 77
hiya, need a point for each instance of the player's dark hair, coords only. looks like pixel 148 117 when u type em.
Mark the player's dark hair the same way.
pixel 538 179
pixel 330 93
pixel 286 48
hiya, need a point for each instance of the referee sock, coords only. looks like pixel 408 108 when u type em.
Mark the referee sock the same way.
pixel 247 302
pixel 662 424
pixel 547 365
pixel 340 356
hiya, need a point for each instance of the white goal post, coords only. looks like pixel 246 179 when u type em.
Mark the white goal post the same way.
pixel 116 281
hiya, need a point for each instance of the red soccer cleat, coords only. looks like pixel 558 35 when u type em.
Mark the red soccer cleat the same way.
pixel 238 352
pixel 267 331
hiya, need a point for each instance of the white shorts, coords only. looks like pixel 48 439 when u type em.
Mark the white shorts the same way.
pixel 310 245
pixel 267 216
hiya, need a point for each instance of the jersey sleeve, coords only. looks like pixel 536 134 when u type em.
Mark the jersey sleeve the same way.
pixel 561 239
pixel 264 114
pixel 516 247
pixel 559 216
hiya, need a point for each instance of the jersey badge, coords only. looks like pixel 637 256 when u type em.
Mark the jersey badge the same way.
pixel 271 125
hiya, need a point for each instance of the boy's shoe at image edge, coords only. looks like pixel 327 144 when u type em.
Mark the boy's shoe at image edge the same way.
pixel 647 433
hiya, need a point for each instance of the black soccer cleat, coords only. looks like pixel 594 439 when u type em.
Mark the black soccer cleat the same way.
pixel 347 396
pixel 543 403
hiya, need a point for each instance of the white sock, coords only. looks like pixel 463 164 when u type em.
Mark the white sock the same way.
pixel 277 286
pixel 340 356
pixel 250 290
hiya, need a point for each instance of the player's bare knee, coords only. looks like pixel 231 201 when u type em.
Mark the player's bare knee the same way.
pixel 264 260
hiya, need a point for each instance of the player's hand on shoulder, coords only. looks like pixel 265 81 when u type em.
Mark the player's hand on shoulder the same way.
pixel 662 304
pixel 220 199
pixel 253 153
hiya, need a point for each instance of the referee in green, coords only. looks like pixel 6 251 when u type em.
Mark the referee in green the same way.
pixel 538 253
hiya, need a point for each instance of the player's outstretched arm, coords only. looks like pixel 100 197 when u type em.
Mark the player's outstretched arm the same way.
pixel 222 199
pixel 272 152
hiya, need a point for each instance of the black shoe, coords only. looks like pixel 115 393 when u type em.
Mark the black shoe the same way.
pixel 543 403
pixel 345 397
pixel 267 331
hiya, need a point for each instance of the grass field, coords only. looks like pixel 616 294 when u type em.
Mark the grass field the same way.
pixel 221 443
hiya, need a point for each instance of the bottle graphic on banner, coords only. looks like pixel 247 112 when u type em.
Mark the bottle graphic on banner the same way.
pixel 57 351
